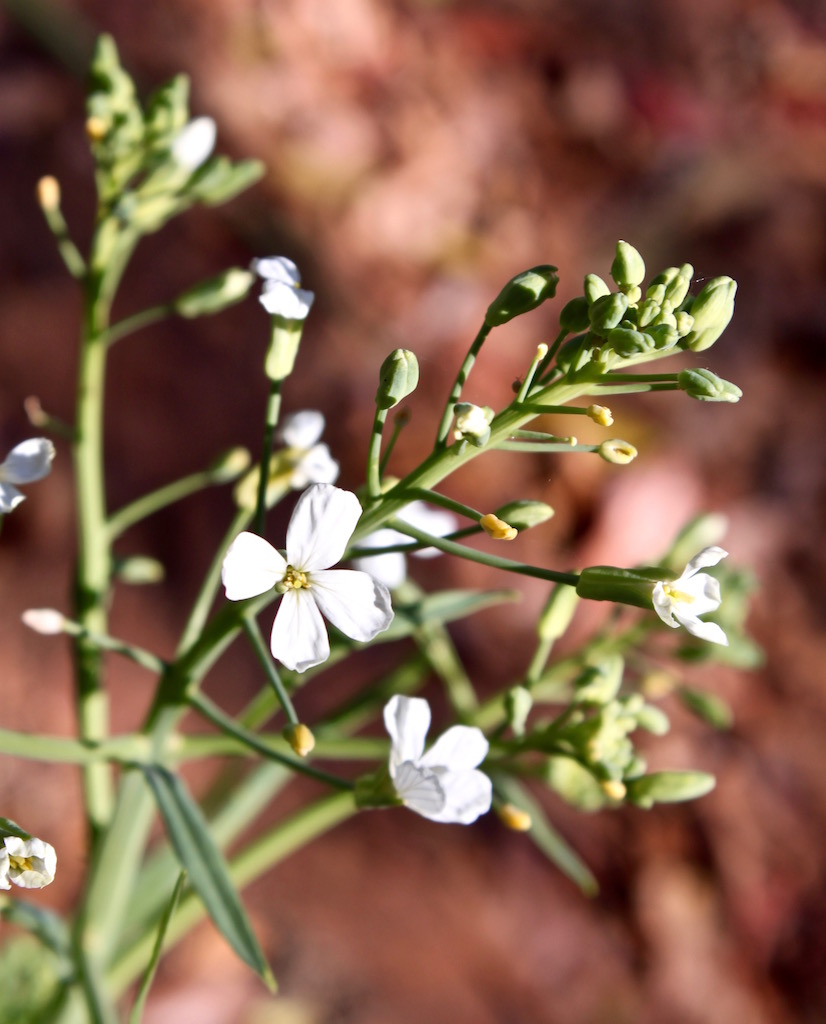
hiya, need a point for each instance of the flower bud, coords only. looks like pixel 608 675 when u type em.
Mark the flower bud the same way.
pixel 600 414
pixel 524 514
pixel 595 288
pixel 48 193
pixel 628 343
pixel 669 787
pixel 46 621
pixel 557 614
pixel 139 570
pixel 706 386
pixel 664 336
pixel 96 128
pixel 607 311
pixel 677 288
pixel 215 294
pixel 684 322
pixel 398 378
pixel 708 706
pixel 600 683
pixel 653 720
pixel 616 451
pixel 194 143
pixel 496 528
pixel 514 818
pixel 518 704
pixel 628 268
pixel 299 738
pixel 655 292
pixel 712 310
pixel 229 465
pixel 647 312
pixel 521 294
pixel 574 315
pixel 472 423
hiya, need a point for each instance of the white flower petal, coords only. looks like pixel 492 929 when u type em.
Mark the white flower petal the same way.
pixel 459 749
pixel 407 720
pixel 390 569
pixel 704 591
pixel 4 868
pixel 28 461
pixel 317 466
pixel 355 602
pixel 283 300
pixel 467 795
pixel 321 526
pixel 437 521
pixel 277 268
pixel 299 636
pixel 420 790
pixel 663 605
pixel 704 558
pixel 194 143
pixel 302 429
pixel 251 566
pixel 10 497
pixel 704 630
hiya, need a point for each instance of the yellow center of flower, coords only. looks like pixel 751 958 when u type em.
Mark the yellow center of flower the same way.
pixel 21 863
pixel 679 596
pixel 294 579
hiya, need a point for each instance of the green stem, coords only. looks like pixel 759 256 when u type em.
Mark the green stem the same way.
pixel 125 749
pixel 192 746
pixel 148 504
pixel 400 421
pixel 551 355
pixel 69 252
pixel 459 383
pixel 374 454
pixel 136 1013
pixel 274 679
pixel 270 423
pixel 137 321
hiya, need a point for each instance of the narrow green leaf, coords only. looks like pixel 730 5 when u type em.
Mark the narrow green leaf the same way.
pixel 136 1014
pixel 545 836
pixel 208 873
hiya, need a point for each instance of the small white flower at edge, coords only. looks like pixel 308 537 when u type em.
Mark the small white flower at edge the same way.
pixel 28 461
pixel 391 568
pixel 312 462
pixel 282 294
pixel 680 602
pixel 317 536
pixel 29 863
pixel 443 784
pixel 194 143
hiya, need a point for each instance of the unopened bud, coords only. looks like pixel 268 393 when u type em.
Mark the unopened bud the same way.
pixel 595 288
pixel 628 268
pixel 683 322
pixel 214 295
pixel 707 706
pixel 398 378
pixel 521 294
pixel 230 465
pixel 574 315
pixel 524 514
pixel 518 703
pixel 669 787
pixel 614 789
pixel 472 423
pixel 557 614
pixel 653 720
pixel 496 528
pixel 712 310
pixel 647 312
pixel 706 386
pixel 607 312
pixel 48 193
pixel 299 738
pixel 664 336
pixel 46 621
pixel 616 451
pixel 139 570
pixel 628 343
pixel 514 817
pixel 600 414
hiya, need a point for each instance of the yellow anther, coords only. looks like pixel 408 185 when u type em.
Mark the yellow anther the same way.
pixel 680 596
pixel 613 789
pixel 618 452
pixel 48 193
pixel 96 128
pixel 600 414
pixel 514 817
pixel 497 528
pixel 294 579
pixel 300 738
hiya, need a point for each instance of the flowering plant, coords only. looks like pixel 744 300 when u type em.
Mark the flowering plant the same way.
pixel 566 724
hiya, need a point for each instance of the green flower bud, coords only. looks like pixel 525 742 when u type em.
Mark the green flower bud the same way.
pixel 398 378
pixel 656 292
pixel 647 311
pixel 617 452
pixel 653 720
pixel 557 614
pixel 139 570
pixel 575 353
pixel 229 465
pixel 668 787
pixel 629 343
pixel 595 288
pixel 664 336
pixel 706 386
pixel 712 310
pixel 522 515
pixel 622 586
pixel 521 294
pixel 607 312
pixel 285 337
pixel 677 288
pixel 684 322
pixel 215 294
pixel 219 180
pixel 574 315
pixel 518 704
pixel 599 684
pixel 628 268
pixel 708 706
pixel 575 784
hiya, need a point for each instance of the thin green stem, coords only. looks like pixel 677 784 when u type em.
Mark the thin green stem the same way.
pixel 137 321
pixel 270 423
pixel 459 383
pixel 136 1013
pixel 69 252
pixel 193 746
pixel 126 749
pixel 400 421
pixel 273 678
pixel 374 454
pixel 550 355
pixel 148 504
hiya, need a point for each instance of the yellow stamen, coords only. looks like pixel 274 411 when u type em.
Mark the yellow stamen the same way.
pixel 300 738
pixel 600 414
pixel 514 818
pixel 678 596
pixel 294 579
pixel 48 193
pixel 497 528
pixel 96 128
pixel 613 789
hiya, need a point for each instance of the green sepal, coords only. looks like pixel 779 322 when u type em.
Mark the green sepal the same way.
pixel 623 586
pixel 574 315
pixel 214 295
pixel 668 788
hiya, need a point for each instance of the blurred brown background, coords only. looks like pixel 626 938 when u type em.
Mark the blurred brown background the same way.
pixel 418 155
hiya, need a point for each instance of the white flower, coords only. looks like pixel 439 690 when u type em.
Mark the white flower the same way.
pixel 282 294
pixel 391 568
pixel 680 602
pixel 472 423
pixel 317 536
pixel 29 863
pixel 28 461
pixel 443 784
pixel 194 143
pixel 311 461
